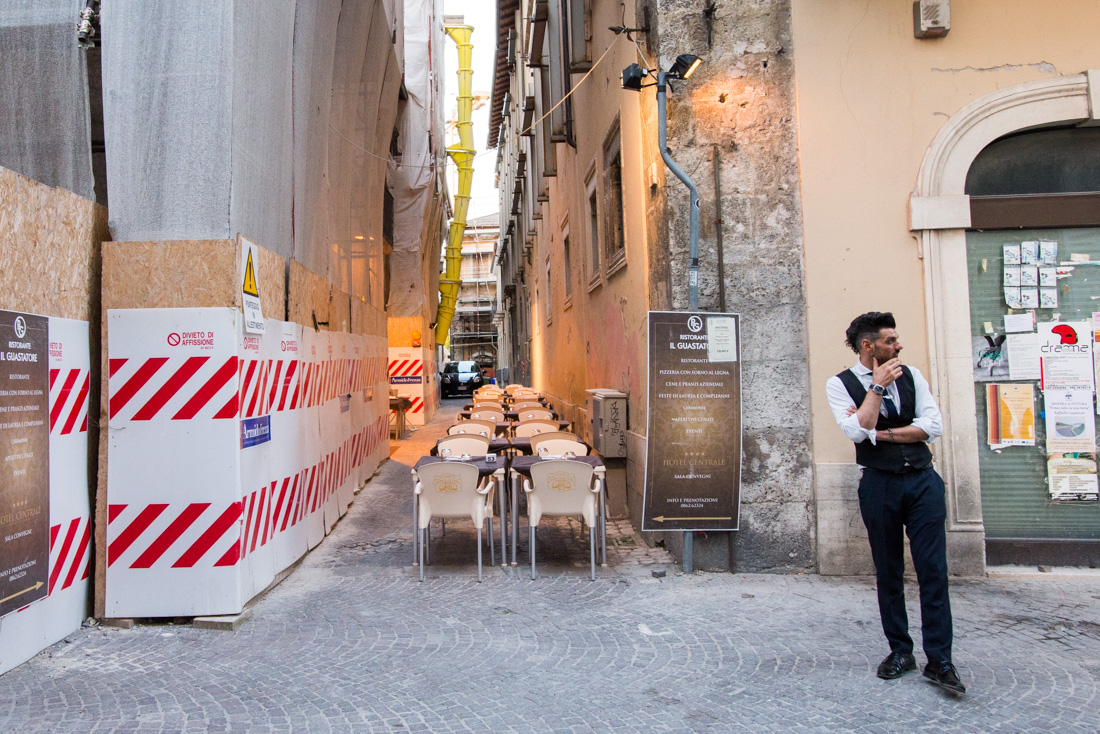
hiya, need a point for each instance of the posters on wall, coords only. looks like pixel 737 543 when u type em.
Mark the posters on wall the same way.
pixel 1065 355
pixel 693 455
pixel 1010 411
pixel 1072 479
pixel 25 438
pixel 1070 421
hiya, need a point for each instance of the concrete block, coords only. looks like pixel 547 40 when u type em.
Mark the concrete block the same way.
pixel 123 623
pixel 226 623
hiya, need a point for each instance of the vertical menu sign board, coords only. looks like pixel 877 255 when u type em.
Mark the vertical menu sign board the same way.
pixel 25 466
pixel 693 454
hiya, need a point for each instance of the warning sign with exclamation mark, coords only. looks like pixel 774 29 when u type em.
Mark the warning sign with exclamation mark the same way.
pixel 250 290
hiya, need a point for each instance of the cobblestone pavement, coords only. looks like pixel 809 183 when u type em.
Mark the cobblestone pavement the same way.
pixel 352 642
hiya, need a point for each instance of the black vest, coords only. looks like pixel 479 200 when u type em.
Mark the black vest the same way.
pixel 891 457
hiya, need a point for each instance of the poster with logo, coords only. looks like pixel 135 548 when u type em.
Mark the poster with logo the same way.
pixel 1071 422
pixel 1065 355
pixel 693 455
pixel 25 443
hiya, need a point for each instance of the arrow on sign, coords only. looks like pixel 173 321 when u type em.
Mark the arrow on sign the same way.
pixel 662 518
pixel 36 587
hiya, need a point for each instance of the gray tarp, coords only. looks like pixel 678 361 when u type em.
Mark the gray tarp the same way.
pixel 44 124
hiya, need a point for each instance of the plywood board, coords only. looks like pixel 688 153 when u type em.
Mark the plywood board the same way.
pixel 271 274
pixel 308 295
pixel 400 331
pixel 50 239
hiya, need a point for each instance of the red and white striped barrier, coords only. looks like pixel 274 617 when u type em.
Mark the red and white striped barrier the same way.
pixel 287 461
pixel 231 454
pixel 174 463
pixel 313 347
pixel 257 555
pixel 25 632
pixel 411 371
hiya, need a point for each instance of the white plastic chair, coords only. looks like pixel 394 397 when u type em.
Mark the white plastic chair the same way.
pixel 450 490
pixel 534 427
pixel 473 428
pixel 546 435
pixel 487 415
pixel 562 488
pixel 489 404
pixel 464 443
pixel 531 414
pixel 559 447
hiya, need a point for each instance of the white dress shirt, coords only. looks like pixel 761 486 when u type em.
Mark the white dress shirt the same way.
pixel 927 414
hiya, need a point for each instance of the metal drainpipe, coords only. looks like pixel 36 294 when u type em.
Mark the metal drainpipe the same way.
pixel 662 125
pixel 693 253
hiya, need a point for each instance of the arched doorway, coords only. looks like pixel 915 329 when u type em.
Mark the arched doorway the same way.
pixel 943 217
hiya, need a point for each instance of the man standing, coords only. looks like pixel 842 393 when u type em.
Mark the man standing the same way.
pixel 888 411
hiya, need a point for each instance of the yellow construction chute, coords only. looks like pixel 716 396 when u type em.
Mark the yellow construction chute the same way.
pixel 463 156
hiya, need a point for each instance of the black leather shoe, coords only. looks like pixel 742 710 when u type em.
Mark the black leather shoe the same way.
pixel 896 665
pixel 945 676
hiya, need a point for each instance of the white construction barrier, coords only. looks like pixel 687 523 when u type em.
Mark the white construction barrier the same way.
pixel 173 479
pixel 257 479
pixel 230 454
pixel 408 373
pixel 33 628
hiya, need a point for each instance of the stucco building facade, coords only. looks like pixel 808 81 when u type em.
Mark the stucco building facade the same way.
pixel 833 151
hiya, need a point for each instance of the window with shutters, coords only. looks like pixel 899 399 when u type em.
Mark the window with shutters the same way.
pixel 614 225
pixel 591 192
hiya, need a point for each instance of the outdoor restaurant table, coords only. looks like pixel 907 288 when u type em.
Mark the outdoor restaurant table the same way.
pixel 496 445
pixel 542 401
pixel 502 428
pixel 562 425
pixel 400 406
pixel 485 468
pixel 509 415
pixel 521 466
pixel 523 444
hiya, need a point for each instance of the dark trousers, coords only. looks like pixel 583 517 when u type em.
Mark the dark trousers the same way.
pixel 913 501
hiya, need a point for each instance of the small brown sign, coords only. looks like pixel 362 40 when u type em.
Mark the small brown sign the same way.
pixel 24 460
pixel 693 455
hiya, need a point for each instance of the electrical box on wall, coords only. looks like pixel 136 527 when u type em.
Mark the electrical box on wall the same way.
pixel 607 421
pixel 931 18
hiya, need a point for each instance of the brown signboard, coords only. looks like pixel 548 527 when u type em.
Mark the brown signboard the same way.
pixel 693 455
pixel 24 460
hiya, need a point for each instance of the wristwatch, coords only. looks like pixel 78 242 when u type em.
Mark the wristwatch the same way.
pixel 878 390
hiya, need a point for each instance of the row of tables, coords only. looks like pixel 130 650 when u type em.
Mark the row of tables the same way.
pixel 510 458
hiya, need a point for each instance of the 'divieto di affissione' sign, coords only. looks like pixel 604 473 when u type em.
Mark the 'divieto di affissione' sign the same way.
pixel 24 460
pixel 693 455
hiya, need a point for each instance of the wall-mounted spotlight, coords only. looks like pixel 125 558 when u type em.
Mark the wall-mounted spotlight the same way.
pixel 684 66
pixel 632 77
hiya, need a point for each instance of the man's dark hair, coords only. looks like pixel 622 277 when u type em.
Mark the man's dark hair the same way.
pixel 867 326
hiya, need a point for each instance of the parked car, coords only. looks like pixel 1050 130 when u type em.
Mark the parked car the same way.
pixel 460 377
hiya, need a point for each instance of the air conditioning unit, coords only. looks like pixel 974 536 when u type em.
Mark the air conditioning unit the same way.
pixel 931 18
pixel 607 421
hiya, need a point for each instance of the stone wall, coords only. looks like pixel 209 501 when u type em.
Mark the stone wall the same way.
pixel 739 110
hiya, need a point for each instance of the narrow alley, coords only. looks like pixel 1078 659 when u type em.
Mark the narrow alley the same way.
pixel 353 642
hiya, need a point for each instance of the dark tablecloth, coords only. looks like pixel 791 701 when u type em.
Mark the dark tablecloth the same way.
pixel 522 464
pixel 484 468
pixel 496 445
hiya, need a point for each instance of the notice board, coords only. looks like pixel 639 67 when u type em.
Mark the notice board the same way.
pixel 25 439
pixel 693 454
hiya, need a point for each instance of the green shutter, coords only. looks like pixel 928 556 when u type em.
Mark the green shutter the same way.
pixel 1015 500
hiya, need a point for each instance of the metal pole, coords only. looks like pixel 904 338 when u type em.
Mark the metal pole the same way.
pixel 689 551
pixel 662 125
